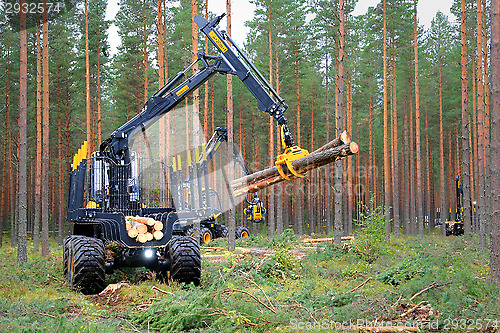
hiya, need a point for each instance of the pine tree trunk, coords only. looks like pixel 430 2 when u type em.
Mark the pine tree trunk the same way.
pixel 99 138
pixel 395 162
pixel 428 174
pixel 420 222
pixel 280 196
pixel 87 80
pixel 271 197
pixel 60 175
pixel 22 252
pixel 205 100
pixel 474 145
pixel 441 152
pixel 387 166
pixel 46 147
pixel 480 125
pixel 465 124
pixel 38 125
pixel 495 142
pixel 406 173
pixel 350 188
pixel 230 134
pixel 486 92
pixel 328 167
pixel 340 123
pixel 412 167
pixel 299 193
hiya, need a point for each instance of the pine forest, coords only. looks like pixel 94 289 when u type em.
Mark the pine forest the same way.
pixel 422 103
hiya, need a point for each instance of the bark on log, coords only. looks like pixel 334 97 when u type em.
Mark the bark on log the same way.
pixel 344 138
pixel 271 176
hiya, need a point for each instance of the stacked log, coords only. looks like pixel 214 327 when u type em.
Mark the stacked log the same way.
pixel 143 229
pixel 334 150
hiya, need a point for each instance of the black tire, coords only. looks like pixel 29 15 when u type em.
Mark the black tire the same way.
pixel 206 236
pixel 185 260
pixel 224 231
pixel 84 262
pixel 242 232
pixel 189 232
pixel 65 256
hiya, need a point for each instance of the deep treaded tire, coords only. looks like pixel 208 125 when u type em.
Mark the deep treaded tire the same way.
pixel 205 236
pixel 185 260
pixel 224 232
pixel 242 232
pixel 84 262
pixel 189 232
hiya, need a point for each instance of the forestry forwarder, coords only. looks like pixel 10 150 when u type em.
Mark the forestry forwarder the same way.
pixel 456 227
pixel 108 185
pixel 210 229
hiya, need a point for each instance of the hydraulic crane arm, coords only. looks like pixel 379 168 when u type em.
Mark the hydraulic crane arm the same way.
pixel 230 61
pixel 116 146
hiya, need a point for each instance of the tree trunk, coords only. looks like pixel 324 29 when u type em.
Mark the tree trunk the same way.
pixel 441 153
pixel 299 191
pixel 98 83
pixel 350 171
pixel 466 202
pixel 387 166
pixel 46 147
pixel 38 159
pixel 87 81
pixel 395 162
pixel 474 144
pixel 60 175
pixel 420 222
pixel 480 125
pixel 495 142
pixel 230 134
pixel 340 123
pixel 406 173
pixel 205 105
pixel 328 167
pixel 22 252
pixel 271 198
pixel 428 174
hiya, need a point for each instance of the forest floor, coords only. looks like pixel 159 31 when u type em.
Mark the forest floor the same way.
pixel 416 284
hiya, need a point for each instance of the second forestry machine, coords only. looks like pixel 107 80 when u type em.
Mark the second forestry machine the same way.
pixel 130 209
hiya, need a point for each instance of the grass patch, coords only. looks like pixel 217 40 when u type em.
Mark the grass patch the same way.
pixel 261 294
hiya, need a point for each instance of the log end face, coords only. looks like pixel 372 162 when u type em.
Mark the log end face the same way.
pixel 353 147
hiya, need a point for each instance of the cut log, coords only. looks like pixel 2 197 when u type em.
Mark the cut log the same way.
pixel 150 221
pixel 158 235
pixel 149 236
pixel 132 232
pixel 142 238
pixel 271 176
pixel 158 226
pixel 141 228
pixel 326 240
pixel 344 138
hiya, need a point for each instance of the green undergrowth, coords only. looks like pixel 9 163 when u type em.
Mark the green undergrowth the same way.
pixel 292 290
